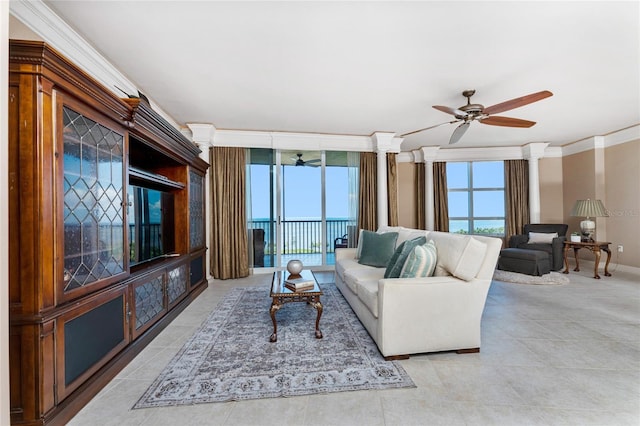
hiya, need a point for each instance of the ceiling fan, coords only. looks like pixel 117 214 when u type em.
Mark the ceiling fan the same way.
pixel 300 162
pixel 470 112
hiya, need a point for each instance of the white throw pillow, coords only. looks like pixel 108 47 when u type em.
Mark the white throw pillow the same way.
pixel 460 256
pixel 541 237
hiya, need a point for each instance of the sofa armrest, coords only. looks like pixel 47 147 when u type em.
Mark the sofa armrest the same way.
pixel 436 313
pixel 345 253
pixel 557 251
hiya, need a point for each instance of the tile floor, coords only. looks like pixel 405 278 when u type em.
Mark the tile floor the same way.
pixel 551 355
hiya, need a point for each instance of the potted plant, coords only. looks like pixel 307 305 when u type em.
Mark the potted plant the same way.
pixel 575 237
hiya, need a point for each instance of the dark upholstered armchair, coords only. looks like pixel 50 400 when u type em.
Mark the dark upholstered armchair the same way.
pixel 555 248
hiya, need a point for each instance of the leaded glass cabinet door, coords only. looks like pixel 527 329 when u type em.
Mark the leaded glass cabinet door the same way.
pixel 93 212
pixel 196 211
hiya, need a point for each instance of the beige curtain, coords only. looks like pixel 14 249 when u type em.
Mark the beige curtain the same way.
pixel 421 222
pixel 440 197
pixel 392 188
pixel 516 173
pixel 229 246
pixel 367 194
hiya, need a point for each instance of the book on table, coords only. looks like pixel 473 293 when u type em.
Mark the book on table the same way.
pixel 299 283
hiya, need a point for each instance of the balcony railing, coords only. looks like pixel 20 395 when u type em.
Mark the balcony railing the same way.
pixel 301 236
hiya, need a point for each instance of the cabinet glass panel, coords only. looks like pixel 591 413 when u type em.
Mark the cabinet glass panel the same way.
pixel 93 191
pixel 177 284
pixel 196 210
pixel 149 299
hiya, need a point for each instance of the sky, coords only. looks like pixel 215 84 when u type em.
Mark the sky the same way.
pixel 302 192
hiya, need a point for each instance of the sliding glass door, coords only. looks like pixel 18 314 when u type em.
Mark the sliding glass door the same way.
pixel 300 205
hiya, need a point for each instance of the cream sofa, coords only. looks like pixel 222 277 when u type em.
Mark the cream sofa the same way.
pixel 416 315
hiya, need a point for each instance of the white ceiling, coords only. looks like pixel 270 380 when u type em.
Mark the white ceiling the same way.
pixel 360 67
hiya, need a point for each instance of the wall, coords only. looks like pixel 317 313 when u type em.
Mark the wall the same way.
pixel 4 215
pixel 612 175
pixel 406 194
pixel 551 192
pixel 622 186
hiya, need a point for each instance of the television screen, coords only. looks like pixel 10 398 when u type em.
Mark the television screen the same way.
pixel 150 215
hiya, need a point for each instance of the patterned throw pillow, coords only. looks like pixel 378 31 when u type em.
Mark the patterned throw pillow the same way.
pixel 394 267
pixel 421 261
pixel 377 249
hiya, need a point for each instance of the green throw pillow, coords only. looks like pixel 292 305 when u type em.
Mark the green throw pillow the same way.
pixel 421 262
pixel 394 267
pixel 377 249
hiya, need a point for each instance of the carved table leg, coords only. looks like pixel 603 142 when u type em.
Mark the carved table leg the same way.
pixel 575 254
pixel 318 306
pixel 566 261
pixel 274 308
pixel 606 265
pixel 596 252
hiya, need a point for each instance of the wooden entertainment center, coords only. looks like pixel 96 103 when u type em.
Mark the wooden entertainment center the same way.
pixel 107 232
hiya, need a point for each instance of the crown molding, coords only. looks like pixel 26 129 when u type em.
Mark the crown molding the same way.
pixel 285 140
pixel 595 142
pixel 43 21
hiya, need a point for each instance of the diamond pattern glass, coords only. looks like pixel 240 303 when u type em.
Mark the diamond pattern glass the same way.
pixel 93 194
pixel 196 210
pixel 177 283
pixel 149 301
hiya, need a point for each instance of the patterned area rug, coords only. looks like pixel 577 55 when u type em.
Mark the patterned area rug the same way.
pixel 552 278
pixel 230 358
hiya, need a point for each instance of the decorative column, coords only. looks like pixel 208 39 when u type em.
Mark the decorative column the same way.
pixel 532 153
pixel 429 154
pixel 202 135
pixel 383 143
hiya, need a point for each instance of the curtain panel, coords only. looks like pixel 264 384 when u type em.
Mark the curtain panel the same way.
pixel 367 194
pixel 421 221
pixel 440 197
pixel 229 245
pixel 516 173
pixel 392 188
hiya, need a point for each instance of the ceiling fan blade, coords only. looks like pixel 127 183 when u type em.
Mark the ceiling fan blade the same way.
pixel 506 121
pixel 449 110
pixel 458 132
pixel 517 102
pixel 427 128
pixel 315 160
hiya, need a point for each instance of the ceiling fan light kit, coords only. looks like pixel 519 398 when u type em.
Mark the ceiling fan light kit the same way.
pixel 471 112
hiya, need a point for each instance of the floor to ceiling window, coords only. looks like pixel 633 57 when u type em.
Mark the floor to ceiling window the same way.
pixel 300 205
pixel 476 197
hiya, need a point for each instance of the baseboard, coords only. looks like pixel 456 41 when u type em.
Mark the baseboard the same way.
pixel 588 264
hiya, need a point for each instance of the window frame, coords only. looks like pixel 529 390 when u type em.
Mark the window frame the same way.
pixel 471 219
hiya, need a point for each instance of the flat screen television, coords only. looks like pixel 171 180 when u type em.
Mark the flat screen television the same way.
pixel 151 226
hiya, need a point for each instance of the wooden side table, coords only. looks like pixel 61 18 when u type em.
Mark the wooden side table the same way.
pixel 595 247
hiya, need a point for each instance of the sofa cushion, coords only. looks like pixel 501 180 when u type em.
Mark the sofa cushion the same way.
pixel 353 277
pixel 345 265
pixel 459 255
pixel 377 249
pixel 541 237
pixel 368 295
pixel 421 262
pixel 406 234
pixel 394 267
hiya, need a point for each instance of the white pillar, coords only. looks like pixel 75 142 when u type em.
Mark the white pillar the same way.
pixel 202 135
pixel 533 152
pixel 383 143
pixel 429 154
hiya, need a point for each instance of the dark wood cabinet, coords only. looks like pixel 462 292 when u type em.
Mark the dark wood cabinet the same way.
pixel 107 232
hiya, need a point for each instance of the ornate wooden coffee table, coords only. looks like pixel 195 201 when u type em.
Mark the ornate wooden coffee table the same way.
pixel 281 295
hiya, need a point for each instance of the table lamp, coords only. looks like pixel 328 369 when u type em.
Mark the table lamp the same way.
pixel 588 208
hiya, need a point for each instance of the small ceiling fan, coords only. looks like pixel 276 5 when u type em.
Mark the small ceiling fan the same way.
pixel 300 162
pixel 471 112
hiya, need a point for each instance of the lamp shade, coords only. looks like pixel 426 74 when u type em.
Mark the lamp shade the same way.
pixel 588 208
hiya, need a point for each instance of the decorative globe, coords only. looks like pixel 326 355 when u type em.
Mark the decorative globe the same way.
pixel 294 267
